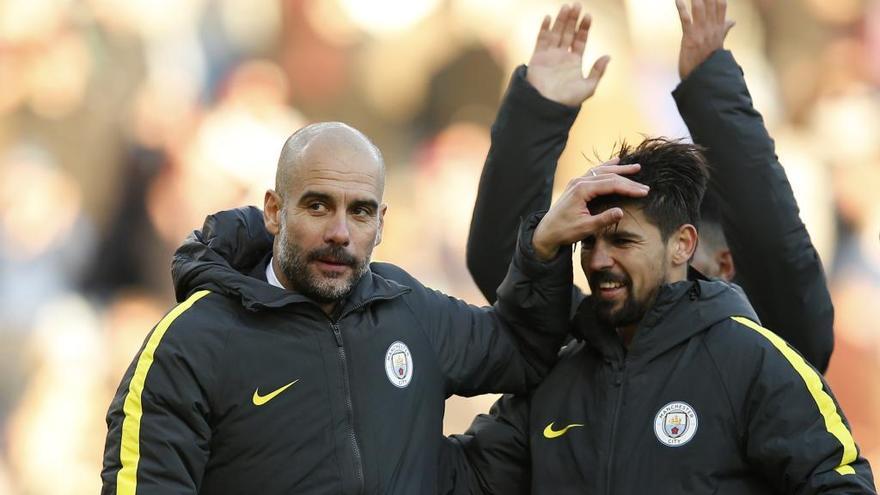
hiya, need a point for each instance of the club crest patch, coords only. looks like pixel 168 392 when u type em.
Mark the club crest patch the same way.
pixel 675 424
pixel 398 364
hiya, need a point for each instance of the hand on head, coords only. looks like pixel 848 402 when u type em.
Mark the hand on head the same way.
pixel 569 219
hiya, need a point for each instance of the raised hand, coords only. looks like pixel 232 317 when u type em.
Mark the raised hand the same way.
pixel 569 220
pixel 703 30
pixel 555 68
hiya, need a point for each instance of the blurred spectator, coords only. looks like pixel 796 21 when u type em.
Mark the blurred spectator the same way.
pixel 45 240
pixel 55 435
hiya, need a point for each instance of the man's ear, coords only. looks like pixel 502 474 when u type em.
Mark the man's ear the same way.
pixel 382 209
pixel 684 243
pixel 726 270
pixel 272 205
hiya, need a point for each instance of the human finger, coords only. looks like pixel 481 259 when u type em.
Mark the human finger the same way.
pixel 571 222
pixel 711 10
pixel 720 10
pixel 555 33
pixel 543 41
pixel 599 181
pixel 684 15
pixel 592 187
pixel 596 72
pixel 599 221
pixel 579 45
pixel 698 12
pixel 612 161
pixel 613 168
pixel 570 26
pixel 728 26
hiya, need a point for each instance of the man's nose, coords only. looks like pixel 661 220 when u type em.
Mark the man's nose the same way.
pixel 336 231
pixel 599 258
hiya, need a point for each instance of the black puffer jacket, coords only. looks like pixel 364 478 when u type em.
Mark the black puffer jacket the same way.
pixel 704 400
pixel 248 388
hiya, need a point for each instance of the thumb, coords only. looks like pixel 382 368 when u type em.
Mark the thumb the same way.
pixel 728 25
pixel 595 223
pixel 597 72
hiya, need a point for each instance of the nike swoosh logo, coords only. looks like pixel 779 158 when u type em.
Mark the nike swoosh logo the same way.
pixel 259 400
pixel 549 432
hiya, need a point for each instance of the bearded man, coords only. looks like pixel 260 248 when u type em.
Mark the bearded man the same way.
pixel 671 384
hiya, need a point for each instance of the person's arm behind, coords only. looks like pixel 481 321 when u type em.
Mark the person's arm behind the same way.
pixel 775 261
pixel 492 457
pixel 528 136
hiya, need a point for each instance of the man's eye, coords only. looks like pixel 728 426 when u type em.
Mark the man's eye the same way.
pixel 362 212
pixel 623 242
pixel 588 243
pixel 317 207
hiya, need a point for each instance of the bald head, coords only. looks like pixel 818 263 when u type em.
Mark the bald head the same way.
pixel 330 144
pixel 326 213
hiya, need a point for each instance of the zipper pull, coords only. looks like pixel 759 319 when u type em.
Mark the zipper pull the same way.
pixel 337 334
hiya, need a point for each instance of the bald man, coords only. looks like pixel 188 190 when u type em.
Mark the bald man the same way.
pixel 325 168
pixel 294 365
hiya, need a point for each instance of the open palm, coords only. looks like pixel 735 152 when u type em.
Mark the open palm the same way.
pixel 555 68
pixel 703 30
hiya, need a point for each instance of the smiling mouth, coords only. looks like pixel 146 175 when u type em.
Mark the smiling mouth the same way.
pixel 612 293
pixel 610 290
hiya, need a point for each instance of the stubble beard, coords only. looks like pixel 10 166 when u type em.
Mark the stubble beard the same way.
pixel 294 263
pixel 632 311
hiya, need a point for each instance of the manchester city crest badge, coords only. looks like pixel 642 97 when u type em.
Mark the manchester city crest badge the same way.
pixel 675 424
pixel 398 364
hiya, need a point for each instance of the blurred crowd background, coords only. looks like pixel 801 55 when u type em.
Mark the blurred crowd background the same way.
pixel 124 122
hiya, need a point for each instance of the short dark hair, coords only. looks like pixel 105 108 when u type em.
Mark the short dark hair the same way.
pixel 676 172
pixel 711 227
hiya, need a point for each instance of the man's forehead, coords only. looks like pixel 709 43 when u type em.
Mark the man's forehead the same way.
pixel 338 172
pixel 332 156
pixel 634 221
pixel 332 182
pixel 338 165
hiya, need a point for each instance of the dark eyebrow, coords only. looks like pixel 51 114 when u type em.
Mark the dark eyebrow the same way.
pixel 326 198
pixel 315 195
pixel 364 203
pixel 620 233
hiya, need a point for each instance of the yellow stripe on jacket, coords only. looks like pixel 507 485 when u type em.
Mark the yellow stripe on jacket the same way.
pixel 129 449
pixel 827 407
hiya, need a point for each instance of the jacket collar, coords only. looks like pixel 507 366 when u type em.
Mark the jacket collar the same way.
pixel 229 255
